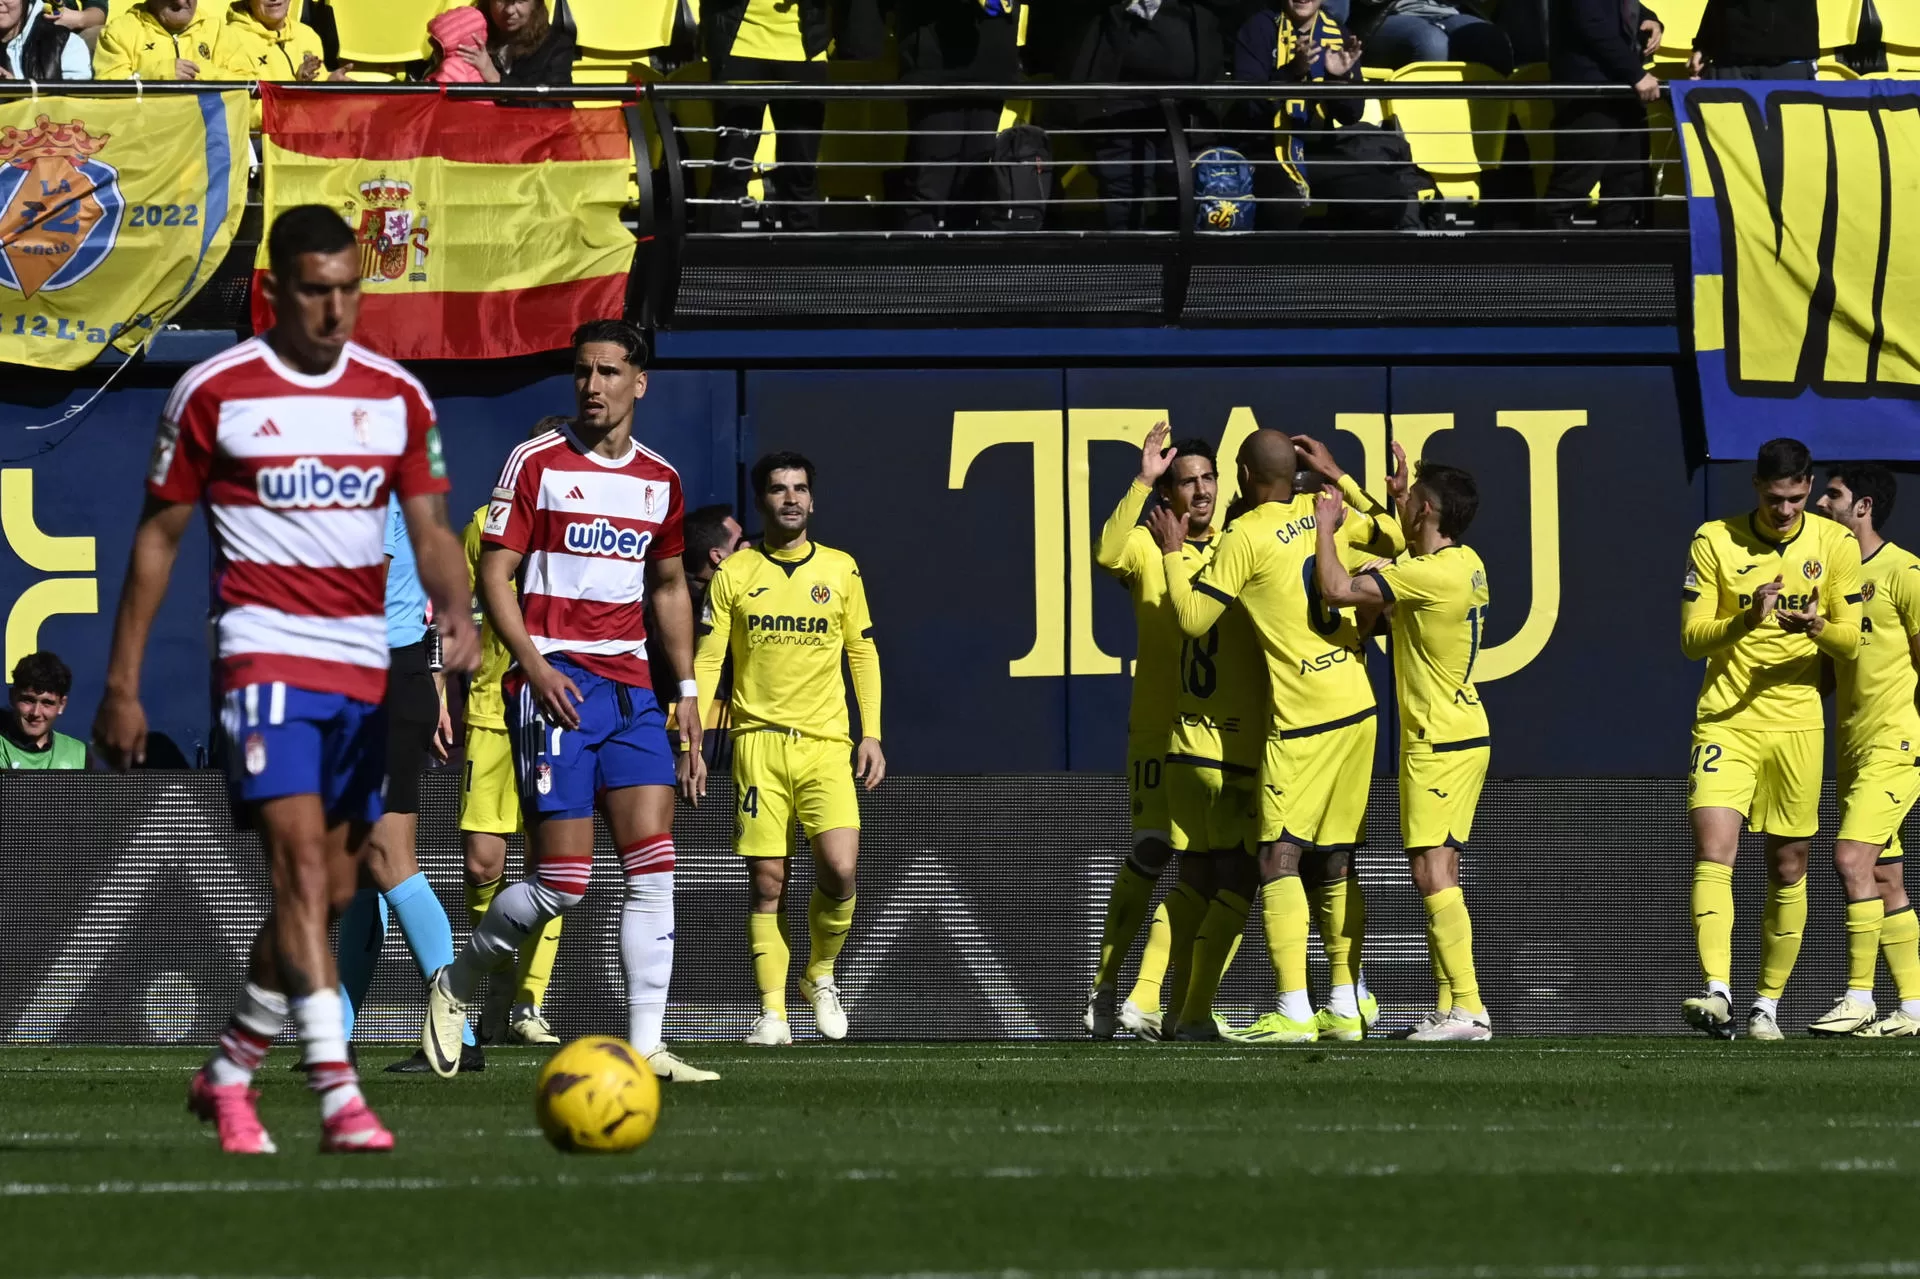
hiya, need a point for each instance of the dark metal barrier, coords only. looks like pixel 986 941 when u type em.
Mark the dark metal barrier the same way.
pixel 133 902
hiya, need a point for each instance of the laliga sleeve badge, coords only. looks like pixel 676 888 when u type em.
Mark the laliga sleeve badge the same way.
pixel 256 754
pixel 543 779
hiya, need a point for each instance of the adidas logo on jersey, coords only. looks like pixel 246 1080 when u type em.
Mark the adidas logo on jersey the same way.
pixel 309 482
pixel 600 537
pixel 268 430
pixel 576 495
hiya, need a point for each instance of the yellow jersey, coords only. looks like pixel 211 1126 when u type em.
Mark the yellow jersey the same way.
pixel 1876 689
pixel 1764 678
pixel 786 618
pixel 486 704
pixel 1220 706
pixel 770 29
pixel 1128 551
pixel 1315 655
pixel 1439 623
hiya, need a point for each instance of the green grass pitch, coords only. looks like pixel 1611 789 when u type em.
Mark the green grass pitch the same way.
pixel 1595 1159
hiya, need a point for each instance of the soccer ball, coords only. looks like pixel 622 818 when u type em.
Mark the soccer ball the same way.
pixel 597 1094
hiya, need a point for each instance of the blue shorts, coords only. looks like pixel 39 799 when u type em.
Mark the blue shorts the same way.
pixel 621 742
pixel 283 741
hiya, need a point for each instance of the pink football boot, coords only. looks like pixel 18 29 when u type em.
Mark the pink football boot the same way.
pixel 230 1108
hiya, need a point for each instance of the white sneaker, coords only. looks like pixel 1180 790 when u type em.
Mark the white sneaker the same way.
pixel 770 1030
pixel 496 1014
pixel 1458 1027
pixel 673 1070
pixel 1848 1017
pixel 1144 1025
pixel 829 1014
pixel 1099 1019
pixel 1761 1025
pixel 1428 1021
pixel 440 1035
pixel 530 1027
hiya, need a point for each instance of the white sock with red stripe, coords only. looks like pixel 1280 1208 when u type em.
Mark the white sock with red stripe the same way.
pixel 646 937
pixel 516 914
pixel 255 1024
pixel 323 1050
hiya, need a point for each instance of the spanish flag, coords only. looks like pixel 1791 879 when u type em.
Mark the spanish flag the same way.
pixel 484 230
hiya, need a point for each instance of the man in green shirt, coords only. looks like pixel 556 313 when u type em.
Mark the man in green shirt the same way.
pixel 41 682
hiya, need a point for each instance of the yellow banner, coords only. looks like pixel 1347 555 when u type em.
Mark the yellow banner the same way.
pixel 112 215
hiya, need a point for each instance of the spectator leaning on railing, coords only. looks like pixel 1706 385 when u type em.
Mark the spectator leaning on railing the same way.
pixel 37 698
pixel 161 40
pixel 951 140
pixel 1759 40
pixel 35 47
pixel 263 41
pixel 1603 140
pixel 767 40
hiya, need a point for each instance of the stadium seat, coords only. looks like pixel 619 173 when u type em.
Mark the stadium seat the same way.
pixel 1834 69
pixel 1900 30
pixel 1839 22
pixel 1440 131
pixel 1681 19
pixel 864 137
pixel 623 25
pixel 385 31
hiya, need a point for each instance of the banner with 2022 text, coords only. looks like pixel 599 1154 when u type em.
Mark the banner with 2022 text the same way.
pixel 1804 206
pixel 112 215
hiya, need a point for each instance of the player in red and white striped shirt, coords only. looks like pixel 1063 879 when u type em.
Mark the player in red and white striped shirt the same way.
pixel 293 441
pixel 585 526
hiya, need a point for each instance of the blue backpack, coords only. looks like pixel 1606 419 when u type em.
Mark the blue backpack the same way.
pixel 1223 191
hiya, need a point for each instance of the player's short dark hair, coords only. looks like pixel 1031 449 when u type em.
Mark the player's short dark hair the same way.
pixel 42 672
pixel 787 461
pixel 1783 459
pixel 1454 491
pixel 1193 446
pixel 1870 480
pixel 705 530
pixel 305 228
pixel 626 336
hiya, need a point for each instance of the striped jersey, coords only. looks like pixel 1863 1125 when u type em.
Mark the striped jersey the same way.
pixel 587 526
pixel 295 471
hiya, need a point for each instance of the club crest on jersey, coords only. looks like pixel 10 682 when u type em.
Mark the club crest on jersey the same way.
pixel 308 482
pixel 1866 592
pixel 1811 570
pixel 600 537
pixel 820 593
pixel 256 754
pixel 360 435
pixel 543 779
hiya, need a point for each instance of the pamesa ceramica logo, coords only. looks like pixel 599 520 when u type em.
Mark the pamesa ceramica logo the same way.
pixel 60 206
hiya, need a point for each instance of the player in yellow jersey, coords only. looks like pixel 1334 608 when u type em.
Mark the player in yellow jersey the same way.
pixel 1437 599
pixel 1317 761
pixel 1878 751
pixel 1183 477
pixel 1766 594
pixel 489 812
pixel 785 612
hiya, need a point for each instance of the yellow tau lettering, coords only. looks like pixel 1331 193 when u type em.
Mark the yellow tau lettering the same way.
pixel 44 599
pixel 1542 431
pixel 1084 426
pixel 37 549
pixel 1240 424
pixel 973 434
pixel 1856 244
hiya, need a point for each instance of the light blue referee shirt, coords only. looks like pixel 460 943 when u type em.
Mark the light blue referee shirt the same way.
pixel 406 598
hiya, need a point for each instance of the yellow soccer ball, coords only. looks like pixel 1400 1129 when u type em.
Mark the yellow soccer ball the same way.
pixel 597 1095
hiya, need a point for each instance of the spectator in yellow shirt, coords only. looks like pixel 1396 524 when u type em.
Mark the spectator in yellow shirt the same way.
pixel 263 41
pixel 160 40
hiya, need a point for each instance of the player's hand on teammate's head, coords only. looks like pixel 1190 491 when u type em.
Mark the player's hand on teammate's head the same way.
pixel 1155 456
pixel 1317 457
pixel 120 731
pixel 1329 508
pixel 869 762
pixel 1400 477
pixel 1167 528
pixel 1764 600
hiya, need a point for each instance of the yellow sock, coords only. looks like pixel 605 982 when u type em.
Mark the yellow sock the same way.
pixel 536 963
pixel 1154 957
pixel 1863 941
pixel 1713 921
pixel 1442 988
pixel 480 896
pixel 1214 946
pixel 1283 917
pixel 1126 910
pixel 1900 943
pixel 1452 931
pixel 829 920
pixel 1341 913
pixel 1185 909
pixel 1780 934
pixel 767 941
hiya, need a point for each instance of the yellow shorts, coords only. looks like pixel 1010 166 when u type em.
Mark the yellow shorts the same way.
pixel 1210 808
pixel 1313 788
pixel 1146 754
pixel 1771 779
pixel 489 801
pixel 1877 791
pixel 778 777
pixel 1439 792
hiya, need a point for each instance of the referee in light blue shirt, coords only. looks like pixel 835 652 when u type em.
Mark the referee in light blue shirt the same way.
pixel 416 725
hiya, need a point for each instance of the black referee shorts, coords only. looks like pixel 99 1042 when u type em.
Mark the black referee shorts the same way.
pixel 413 713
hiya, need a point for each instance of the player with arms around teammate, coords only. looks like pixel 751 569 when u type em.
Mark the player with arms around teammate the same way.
pixel 1879 732
pixel 1767 594
pixel 585 524
pixel 785 611
pixel 1437 599
pixel 294 440
pixel 1317 761
pixel 1183 477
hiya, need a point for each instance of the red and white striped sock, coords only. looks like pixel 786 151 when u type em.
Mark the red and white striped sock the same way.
pixel 323 1050
pixel 250 1033
pixel 519 911
pixel 336 1083
pixel 646 937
